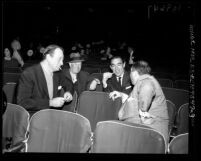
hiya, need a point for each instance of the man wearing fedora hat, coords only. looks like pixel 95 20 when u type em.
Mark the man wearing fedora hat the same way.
pixel 80 79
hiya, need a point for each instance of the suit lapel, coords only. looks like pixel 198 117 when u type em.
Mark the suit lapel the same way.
pixel 116 84
pixel 43 83
pixel 55 84
pixel 125 79
pixel 67 74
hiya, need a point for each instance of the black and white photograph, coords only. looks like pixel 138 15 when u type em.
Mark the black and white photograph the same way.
pixel 100 77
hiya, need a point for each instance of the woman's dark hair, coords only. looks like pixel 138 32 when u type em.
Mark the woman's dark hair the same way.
pixel 142 67
pixel 4 102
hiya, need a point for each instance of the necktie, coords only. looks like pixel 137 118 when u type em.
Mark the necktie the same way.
pixel 119 81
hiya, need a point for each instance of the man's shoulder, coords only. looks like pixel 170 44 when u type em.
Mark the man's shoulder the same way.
pixel 84 73
pixel 31 69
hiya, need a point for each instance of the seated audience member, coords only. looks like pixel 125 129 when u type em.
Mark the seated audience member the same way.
pixel 119 79
pixel 8 61
pixel 80 79
pixel 31 57
pixel 146 104
pixel 40 85
pixel 16 46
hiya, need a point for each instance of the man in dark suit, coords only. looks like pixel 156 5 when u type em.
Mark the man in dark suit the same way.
pixel 119 79
pixel 81 80
pixel 40 86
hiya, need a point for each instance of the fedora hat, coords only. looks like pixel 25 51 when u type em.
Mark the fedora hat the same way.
pixel 75 57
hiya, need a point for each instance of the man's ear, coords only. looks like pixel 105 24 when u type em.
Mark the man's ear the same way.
pixel 110 67
pixel 124 64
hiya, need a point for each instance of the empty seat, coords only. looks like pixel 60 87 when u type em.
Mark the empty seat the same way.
pixel 182 84
pixel 182 119
pixel 122 137
pixel 15 124
pixel 58 131
pixel 172 113
pixel 162 75
pixel 165 82
pixel 10 91
pixel 91 69
pixel 177 96
pixel 179 144
pixel 97 106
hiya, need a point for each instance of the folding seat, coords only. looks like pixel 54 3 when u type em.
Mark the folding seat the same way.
pixel 165 82
pixel 172 113
pixel 123 137
pixel 58 131
pixel 162 75
pixel 182 119
pixel 177 96
pixel 10 77
pixel 105 69
pixel 97 106
pixel 182 84
pixel 179 144
pixel 99 76
pixel 10 91
pixel 91 70
pixel 15 124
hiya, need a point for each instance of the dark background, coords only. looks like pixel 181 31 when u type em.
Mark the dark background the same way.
pixel 159 31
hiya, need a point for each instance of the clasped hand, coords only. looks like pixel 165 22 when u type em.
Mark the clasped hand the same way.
pixel 94 84
pixel 59 101
pixel 115 94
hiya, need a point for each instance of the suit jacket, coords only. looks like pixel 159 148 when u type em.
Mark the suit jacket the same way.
pixel 113 85
pixel 83 80
pixel 32 91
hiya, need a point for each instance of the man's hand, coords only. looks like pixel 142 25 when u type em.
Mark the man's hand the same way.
pixel 106 76
pixel 68 96
pixel 115 94
pixel 146 118
pixel 94 84
pixel 57 102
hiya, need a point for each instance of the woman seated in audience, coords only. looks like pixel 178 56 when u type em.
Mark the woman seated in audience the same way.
pixel 8 61
pixel 31 56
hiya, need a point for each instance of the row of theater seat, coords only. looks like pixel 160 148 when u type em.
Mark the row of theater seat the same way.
pixel 165 79
pixel 63 131
pixel 176 98
pixel 178 84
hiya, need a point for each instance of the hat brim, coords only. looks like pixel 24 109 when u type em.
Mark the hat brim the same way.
pixel 75 61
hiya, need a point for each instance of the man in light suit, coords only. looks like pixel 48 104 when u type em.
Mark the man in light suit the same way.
pixel 147 103
pixel 40 86
pixel 118 80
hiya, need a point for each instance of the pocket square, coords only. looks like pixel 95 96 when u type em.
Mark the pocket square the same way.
pixel 59 87
pixel 128 87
